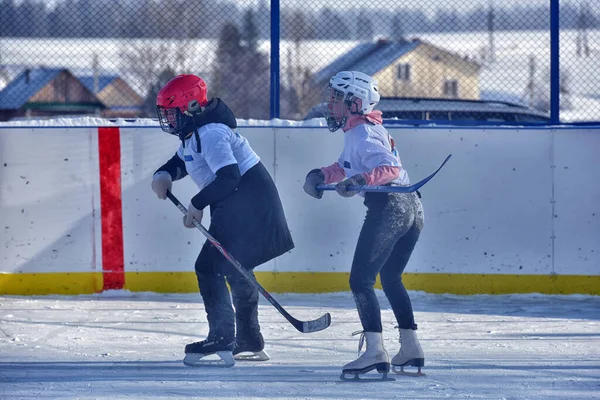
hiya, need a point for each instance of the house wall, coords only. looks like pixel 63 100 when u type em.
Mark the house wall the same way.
pixel 428 76
pixel 121 100
pixel 119 93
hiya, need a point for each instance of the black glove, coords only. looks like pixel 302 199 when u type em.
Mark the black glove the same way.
pixel 314 178
pixel 342 187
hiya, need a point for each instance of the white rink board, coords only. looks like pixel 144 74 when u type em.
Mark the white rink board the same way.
pixel 489 211
pixel 153 234
pixel 49 200
pixel 577 194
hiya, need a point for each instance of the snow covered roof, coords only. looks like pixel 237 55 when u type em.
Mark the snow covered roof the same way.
pixel 25 86
pixel 369 58
pixel 103 81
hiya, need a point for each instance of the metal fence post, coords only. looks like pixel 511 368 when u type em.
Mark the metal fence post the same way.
pixel 275 69
pixel 554 62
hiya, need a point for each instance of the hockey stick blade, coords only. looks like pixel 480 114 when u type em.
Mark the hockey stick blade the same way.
pixel 388 189
pixel 303 326
pixel 315 325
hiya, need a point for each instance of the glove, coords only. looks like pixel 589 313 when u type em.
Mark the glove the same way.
pixel 356 180
pixel 192 213
pixel 314 178
pixel 161 182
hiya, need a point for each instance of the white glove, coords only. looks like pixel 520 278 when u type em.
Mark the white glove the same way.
pixel 161 182
pixel 193 213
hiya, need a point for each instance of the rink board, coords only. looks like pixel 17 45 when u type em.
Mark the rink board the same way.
pixel 514 211
pixel 301 282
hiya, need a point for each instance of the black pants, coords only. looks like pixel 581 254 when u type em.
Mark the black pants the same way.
pixel 250 224
pixel 389 234
pixel 212 269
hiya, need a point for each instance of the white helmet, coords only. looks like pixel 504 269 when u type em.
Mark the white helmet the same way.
pixel 342 96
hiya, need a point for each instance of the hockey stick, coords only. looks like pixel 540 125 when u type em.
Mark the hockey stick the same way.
pixel 303 326
pixel 388 189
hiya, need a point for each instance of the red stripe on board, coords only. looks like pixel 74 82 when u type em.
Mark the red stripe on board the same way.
pixel 109 149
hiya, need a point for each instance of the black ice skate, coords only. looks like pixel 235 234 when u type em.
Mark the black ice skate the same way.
pixel 215 351
pixel 250 348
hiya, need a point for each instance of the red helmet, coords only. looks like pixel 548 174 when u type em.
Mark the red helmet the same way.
pixel 178 100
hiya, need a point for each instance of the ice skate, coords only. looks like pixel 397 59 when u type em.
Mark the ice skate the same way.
pixel 374 357
pixel 250 348
pixel 410 354
pixel 215 351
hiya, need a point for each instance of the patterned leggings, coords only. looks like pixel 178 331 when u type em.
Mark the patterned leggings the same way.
pixel 389 234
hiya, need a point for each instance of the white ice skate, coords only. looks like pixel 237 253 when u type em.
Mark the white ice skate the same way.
pixel 212 352
pixel 410 354
pixel 374 357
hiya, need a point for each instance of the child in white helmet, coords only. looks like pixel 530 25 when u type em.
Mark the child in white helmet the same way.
pixel 393 221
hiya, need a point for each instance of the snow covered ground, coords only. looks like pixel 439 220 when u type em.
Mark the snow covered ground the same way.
pixel 121 345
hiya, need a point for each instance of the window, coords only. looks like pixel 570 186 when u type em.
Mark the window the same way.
pixel 438 116
pixel 404 72
pixel 451 88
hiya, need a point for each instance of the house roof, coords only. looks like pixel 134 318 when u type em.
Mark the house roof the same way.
pixel 25 86
pixel 103 81
pixel 369 58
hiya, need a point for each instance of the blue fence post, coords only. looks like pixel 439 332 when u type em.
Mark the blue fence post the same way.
pixel 554 62
pixel 275 70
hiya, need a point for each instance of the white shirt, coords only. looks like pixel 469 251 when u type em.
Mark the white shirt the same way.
pixel 219 147
pixel 369 146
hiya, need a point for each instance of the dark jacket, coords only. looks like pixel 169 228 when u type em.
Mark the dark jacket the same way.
pixel 247 216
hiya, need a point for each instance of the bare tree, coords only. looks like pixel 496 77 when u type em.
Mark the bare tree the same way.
pixel 583 47
pixel 301 28
pixel 142 61
pixel 491 16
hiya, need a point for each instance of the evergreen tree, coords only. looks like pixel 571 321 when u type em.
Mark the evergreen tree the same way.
pixel 7 16
pixel 396 30
pixel 149 107
pixel 240 75
pixel 364 29
pixel 250 31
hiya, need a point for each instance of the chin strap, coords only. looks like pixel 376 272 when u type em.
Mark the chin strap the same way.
pixel 187 135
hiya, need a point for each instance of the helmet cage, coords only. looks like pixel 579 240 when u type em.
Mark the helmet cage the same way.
pixel 174 121
pixel 339 105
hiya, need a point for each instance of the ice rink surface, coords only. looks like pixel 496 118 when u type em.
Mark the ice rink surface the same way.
pixel 120 345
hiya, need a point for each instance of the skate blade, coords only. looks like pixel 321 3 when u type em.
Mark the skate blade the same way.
pixel 220 359
pixel 405 373
pixel 252 356
pixel 356 377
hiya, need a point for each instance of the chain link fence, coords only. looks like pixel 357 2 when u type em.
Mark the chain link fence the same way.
pixel 458 60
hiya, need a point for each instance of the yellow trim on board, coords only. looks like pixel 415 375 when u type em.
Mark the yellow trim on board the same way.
pixel 67 283
pixel 301 282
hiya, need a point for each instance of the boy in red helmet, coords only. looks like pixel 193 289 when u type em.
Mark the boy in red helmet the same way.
pixel 247 216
